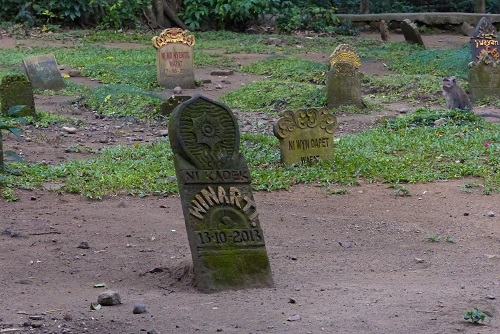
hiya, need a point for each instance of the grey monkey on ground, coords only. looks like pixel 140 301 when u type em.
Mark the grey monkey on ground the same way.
pixel 455 96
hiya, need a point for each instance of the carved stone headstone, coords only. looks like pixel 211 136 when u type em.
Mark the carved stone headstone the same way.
pixel 174 58
pixel 411 33
pixel 43 72
pixel 16 90
pixel 344 80
pixel 306 135
pixel 485 37
pixel 484 70
pixel 222 223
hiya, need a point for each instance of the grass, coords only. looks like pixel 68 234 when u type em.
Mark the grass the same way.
pixel 405 150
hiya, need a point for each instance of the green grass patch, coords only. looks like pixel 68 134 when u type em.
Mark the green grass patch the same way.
pixel 289 68
pixel 123 100
pixel 273 95
pixel 406 150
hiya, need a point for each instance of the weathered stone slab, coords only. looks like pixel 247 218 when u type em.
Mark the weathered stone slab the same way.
pixel 222 222
pixel 343 81
pixel 306 135
pixel 484 41
pixel 484 80
pixel 411 33
pixel 174 58
pixel 43 72
pixel 16 90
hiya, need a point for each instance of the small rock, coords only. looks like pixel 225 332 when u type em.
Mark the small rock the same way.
pixel 36 317
pixel 28 139
pixel 152 331
pixel 33 198
pixel 74 73
pixel 220 330
pixel 466 214
pixel 37 325
pixel 139 308
pixel 419 260
pixel 163 133
pixel 226 81
pixel 68 316
pixel 292 301
pixel 491 297
pixel 218 86
pixel 83 245
pixel 490 214
pixel 222 72
pixel 439 122
pixel 177 90
pixel 69 129
pixel 345 244
pixel 109 298
pixel 295 317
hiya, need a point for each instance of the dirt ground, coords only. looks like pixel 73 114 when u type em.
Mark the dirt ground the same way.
pixel 354 263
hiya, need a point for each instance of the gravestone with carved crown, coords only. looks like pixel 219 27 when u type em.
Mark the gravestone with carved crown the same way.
pixel 16 90
pixel 344 80
pixel 174 58
pixel 484 69
pixel 306 135
pixel 222 222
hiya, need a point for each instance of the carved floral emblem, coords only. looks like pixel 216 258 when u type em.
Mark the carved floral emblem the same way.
pixel 173 35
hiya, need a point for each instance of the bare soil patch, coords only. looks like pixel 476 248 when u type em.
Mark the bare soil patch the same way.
pixel 354 263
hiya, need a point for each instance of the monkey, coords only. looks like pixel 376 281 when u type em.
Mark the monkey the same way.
pixel 455 96
pixel 384 31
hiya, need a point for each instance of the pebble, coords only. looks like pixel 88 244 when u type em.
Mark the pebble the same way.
pixel 163 133
pixel 36 317
pixel 295 317
pixel 83 245
pixel 139 308
pixel 218 86
pixel 419 260
pixel 109 298
pixel 345 244
pixel 177 90
pixel 490 214
pixel 491 297
pixel 70 130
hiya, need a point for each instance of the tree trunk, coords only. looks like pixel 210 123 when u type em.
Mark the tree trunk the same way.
pixel 364 7
pixel 480 6
pixel 164 14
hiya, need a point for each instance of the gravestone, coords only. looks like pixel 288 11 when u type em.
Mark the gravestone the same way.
pixel 411 33
pixel 222 222
pixel 484 37
pixel 484 70
pixel 174 58
pixel 306 135
pixel 16 90
pixel 167 107
pixel 43 72
pixel 344 80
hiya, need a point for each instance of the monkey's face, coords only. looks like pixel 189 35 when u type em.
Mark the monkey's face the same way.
pixel 448 83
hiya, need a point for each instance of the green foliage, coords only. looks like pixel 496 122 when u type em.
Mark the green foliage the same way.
pixel 9 122
pixel 105 13
pixel 225 14
pixel 309 17
pixel 475 316
pixel 434 238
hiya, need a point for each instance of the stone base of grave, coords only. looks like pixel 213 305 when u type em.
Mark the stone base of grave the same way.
pixel 233 270
pixel 343 89
pixel 484 81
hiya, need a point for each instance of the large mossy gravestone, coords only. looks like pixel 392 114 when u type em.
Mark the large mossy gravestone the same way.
pixel 411 33
pixel 305 135
pixel 43 72
pixel 222 223
pixel 344 80
pixel 174 58
pixel 484 70
pixel 16 90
